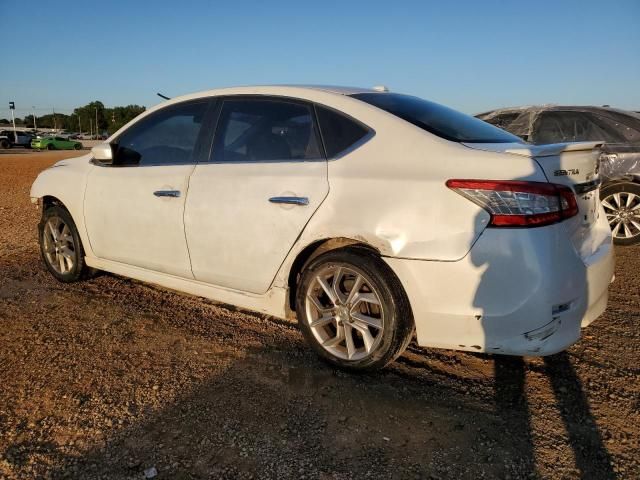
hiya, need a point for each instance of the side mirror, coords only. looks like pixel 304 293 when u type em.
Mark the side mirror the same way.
pixel 103 153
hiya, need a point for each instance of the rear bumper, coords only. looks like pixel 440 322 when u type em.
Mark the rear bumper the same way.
pixel 517 292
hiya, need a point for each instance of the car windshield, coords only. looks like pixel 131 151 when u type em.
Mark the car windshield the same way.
pixel 438 119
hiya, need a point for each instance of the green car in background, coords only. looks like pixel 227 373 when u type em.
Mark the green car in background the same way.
pixel 55 143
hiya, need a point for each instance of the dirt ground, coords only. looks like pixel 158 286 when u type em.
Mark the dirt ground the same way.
pixel 111 378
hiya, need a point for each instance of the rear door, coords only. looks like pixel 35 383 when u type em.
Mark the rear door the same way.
pixel 248 204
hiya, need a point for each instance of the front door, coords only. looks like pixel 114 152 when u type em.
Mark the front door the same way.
pixel 247 206
pixel 134 208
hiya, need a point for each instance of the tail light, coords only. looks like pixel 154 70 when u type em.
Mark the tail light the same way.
pixel 518 203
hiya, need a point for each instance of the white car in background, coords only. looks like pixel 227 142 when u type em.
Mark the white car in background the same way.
pixel 365 214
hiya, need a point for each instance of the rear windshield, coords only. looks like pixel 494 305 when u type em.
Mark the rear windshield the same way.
pixel 437 119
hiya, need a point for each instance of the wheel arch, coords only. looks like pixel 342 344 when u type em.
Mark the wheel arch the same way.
pixel 310 252
pixel 48 201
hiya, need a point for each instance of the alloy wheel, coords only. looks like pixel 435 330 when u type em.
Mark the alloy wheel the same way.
pixel 344 312
pixel 623 214
pixel 59 246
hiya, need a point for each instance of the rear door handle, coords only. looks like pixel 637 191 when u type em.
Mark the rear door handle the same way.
pixel 167 193
pixel 290 200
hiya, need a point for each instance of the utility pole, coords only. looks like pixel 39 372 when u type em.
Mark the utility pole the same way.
pixel 79 126
pixel 12 107
pixel 34 118
pixel 54 120
pixel 96 123
pixel 90 128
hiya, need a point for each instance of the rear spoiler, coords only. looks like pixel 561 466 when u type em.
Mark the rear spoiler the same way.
pixel 554 149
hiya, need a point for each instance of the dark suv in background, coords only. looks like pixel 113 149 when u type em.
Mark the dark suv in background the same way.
pixel 619 162
pixel 20 139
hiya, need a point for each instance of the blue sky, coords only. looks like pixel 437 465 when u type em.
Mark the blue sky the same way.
pixel 471 55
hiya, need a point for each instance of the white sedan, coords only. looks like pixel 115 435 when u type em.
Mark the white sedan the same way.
pixel 367 215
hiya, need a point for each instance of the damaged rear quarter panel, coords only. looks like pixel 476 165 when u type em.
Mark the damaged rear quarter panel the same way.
pixel 390 194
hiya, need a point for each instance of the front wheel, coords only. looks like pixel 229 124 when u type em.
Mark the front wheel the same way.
pixel 352 310
pixel 621 202
pixel 60 246
pixel 77 146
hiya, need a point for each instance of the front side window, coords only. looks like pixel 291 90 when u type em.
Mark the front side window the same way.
pixel 265 130
pixel 438 119
pixel 166 137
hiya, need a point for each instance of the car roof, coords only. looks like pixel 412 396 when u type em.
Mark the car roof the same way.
pixel 278 90
pixel 553 107
pixel 333 89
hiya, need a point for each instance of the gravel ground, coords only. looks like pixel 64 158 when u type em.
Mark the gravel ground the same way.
pixel 112 378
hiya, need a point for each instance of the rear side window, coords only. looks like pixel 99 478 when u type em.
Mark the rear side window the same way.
pixel 555 127
pixel 265 130
pixel 339 132
pixel 166 137
pixel 438 119
pixel 625 130
pixel 502 120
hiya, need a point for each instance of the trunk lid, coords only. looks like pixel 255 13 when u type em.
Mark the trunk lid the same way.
pixel 563 163
pixel 576 166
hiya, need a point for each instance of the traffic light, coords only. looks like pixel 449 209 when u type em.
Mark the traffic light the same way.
pixel 12 106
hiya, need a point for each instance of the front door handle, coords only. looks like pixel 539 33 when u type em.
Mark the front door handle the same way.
pixel 290 200
pixel 167 193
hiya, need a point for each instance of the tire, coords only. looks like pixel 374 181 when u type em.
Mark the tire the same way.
pixel 381 300
pixel 75 267
pixel 621 202
pixel 50 146
pixel 4 144
pixel 77 146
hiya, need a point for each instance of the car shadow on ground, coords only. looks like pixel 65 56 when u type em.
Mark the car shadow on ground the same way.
pixel 591 455
pixel 271 409
pixel 278 413
pixel 283 414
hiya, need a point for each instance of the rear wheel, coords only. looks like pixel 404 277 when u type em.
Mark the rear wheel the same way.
pixel 352 310
pixel 621 202
pixel 50 147
pixel 77 146
pixel 4 144
pixel 61 247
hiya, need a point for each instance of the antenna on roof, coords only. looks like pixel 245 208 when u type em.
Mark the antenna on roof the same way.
pixel 381 88
pixel 163 96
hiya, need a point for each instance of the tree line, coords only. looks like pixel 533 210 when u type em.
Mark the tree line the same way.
pixel 84 118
